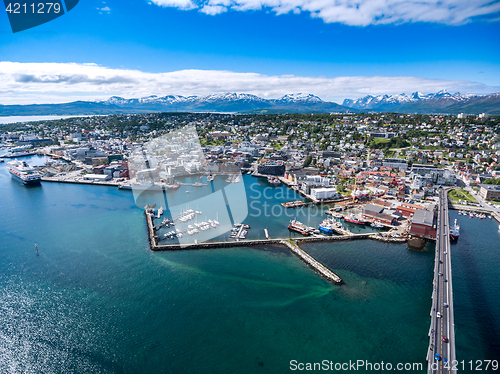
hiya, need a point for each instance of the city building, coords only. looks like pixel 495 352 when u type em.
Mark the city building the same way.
pixel 325 193
pixel 423 224
pixel 271 168
pixel 489 191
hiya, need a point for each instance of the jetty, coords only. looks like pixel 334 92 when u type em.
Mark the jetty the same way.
pixel 316 265
pixel 294 204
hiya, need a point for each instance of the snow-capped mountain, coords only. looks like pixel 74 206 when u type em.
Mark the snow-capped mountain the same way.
pixel 417 102
pixel 300 97
pixel 388 102
pixel 230 102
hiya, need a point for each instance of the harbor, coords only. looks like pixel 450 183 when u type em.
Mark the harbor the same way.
pixel 293 245
pixel 374 273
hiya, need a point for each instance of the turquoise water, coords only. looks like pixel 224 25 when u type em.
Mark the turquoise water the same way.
pixel 94 299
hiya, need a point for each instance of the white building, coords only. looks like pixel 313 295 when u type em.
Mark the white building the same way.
pixel 396 163
pixel 325 193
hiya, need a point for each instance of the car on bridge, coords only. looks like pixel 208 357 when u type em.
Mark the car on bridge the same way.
pixel 437 357
pixel 445 339
pixel 438 315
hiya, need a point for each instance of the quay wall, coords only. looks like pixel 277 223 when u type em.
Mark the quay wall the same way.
pixel 70 181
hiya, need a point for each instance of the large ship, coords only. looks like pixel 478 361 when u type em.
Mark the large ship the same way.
pixel 454 231
pixel 24 173
pixel 19 152
pixel 299 227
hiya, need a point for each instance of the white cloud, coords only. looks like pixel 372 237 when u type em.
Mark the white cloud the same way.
pixel 181 4
pixel 213 9
pixel 27 83
pixel 355 12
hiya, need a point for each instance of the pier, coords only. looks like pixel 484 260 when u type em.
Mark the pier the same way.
pixel 74 181
pixel 267 234
pixel 316 265
pixel 294 204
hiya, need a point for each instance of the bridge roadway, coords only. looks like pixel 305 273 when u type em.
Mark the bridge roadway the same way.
pixel 442 330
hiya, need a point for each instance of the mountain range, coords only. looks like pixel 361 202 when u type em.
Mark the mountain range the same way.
pixel 440 102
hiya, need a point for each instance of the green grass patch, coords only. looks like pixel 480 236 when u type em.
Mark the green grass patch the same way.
pixel 460 194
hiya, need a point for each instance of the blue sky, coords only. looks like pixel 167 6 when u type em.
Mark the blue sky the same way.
pixel 173 47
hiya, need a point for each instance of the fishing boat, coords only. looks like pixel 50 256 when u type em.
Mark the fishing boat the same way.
pixel 326 226
pixel 299 227
pixel 377 225
pixel 273 181
pixel 353 219
pixel 454 231
pixel 359 194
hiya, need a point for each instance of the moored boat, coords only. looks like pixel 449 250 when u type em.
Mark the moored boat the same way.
pixel 274 181
pixel 454 231
pixel 353 219
pixel 326 226
pixel 24 173
pixel 299 227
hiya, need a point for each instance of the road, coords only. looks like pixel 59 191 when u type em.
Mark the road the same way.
pixel 442 334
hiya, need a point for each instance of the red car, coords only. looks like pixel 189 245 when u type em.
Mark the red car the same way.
pixel 445 339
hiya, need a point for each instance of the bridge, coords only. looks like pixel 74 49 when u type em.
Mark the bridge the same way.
pixel 441 351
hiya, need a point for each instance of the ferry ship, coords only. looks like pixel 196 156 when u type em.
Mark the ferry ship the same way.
pixel 352 219
pixel 454 231
pixel 19 152
pixel 23 173
pixel 299 227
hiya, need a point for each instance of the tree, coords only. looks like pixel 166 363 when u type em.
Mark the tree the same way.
pixel 307 161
